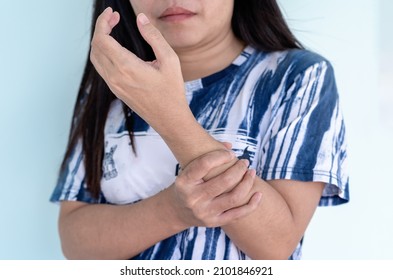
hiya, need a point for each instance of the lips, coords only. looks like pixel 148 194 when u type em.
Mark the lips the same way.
pixel 176 14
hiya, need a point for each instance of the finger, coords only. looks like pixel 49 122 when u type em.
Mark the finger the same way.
pixel 238 196
pixel 106 53
pixel 227 145
pixel 107 21
pixel 240 212
pixel 196 170
pixel 227 180
pixel 154 38
pixel 106 45
pixel 102 43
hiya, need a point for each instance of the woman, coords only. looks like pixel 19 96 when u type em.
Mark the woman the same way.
pixel 202 130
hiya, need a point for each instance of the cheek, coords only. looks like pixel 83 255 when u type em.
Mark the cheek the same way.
pixel 219 8
pixel 219 13
pixel 142 6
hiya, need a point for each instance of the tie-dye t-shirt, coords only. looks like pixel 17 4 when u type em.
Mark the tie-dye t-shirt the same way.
pixel 280 110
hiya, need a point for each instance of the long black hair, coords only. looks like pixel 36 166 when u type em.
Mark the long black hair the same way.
pixel 258 23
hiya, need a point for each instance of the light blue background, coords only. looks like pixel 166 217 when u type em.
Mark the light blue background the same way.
pixel 43 48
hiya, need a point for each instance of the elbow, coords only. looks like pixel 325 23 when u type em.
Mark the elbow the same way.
pixel 74 251
pixel 69 254
pixel 70 250
pixel 279 250
pixel 74 255
pixel 283 254
pixel 272 255
pixel 71 245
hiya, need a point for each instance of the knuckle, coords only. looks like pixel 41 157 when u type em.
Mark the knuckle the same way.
pixel 242 165
pixel 234 199
pixel 93 52
pixel 186 178
pixel 180 180
pixel 227 180
pixel 96 42
pixel 183 181
pixel 205 163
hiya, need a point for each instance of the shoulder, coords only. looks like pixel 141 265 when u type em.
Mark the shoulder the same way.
pixel 284 68
pixel 301 59
pixel 304 64
pixel 290 63
pixel 282 73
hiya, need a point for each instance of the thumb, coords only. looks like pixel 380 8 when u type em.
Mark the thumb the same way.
pixel 154 38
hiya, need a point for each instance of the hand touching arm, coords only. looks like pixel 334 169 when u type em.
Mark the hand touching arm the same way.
pixel 120 232
pixel 274 229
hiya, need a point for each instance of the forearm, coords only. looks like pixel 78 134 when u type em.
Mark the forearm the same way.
pixel 275 228
pixel 267 233
pixel 187 139
pixel 184 136
pixel 117 232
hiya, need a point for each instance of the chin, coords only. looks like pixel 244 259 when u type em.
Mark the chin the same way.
pixel 181 38
pixel 183 43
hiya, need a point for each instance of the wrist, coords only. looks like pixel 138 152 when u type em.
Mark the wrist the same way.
pixel 171 213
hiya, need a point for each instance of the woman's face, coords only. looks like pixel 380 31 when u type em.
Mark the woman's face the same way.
pixel 188 24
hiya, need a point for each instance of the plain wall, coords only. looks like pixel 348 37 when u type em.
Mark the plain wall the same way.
pixel 42 52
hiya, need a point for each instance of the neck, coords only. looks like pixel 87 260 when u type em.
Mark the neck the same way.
pixel 203 60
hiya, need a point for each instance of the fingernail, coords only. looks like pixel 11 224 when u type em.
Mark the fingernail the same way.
pixel 143 19
pixel 252 173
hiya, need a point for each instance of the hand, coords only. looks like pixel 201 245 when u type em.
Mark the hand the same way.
pixel 218 201
pixel 154 90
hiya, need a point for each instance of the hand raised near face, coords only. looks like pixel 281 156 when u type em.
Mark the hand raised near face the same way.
pixel 155 89
pixel 218 201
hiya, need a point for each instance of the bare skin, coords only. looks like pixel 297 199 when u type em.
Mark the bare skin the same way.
pixel 122 231
pixel 270 229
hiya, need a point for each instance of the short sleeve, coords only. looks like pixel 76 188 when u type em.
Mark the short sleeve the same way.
pixel 71 184
pixel 307 139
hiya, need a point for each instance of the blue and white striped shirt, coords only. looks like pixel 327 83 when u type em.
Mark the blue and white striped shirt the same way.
pixel 280 110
